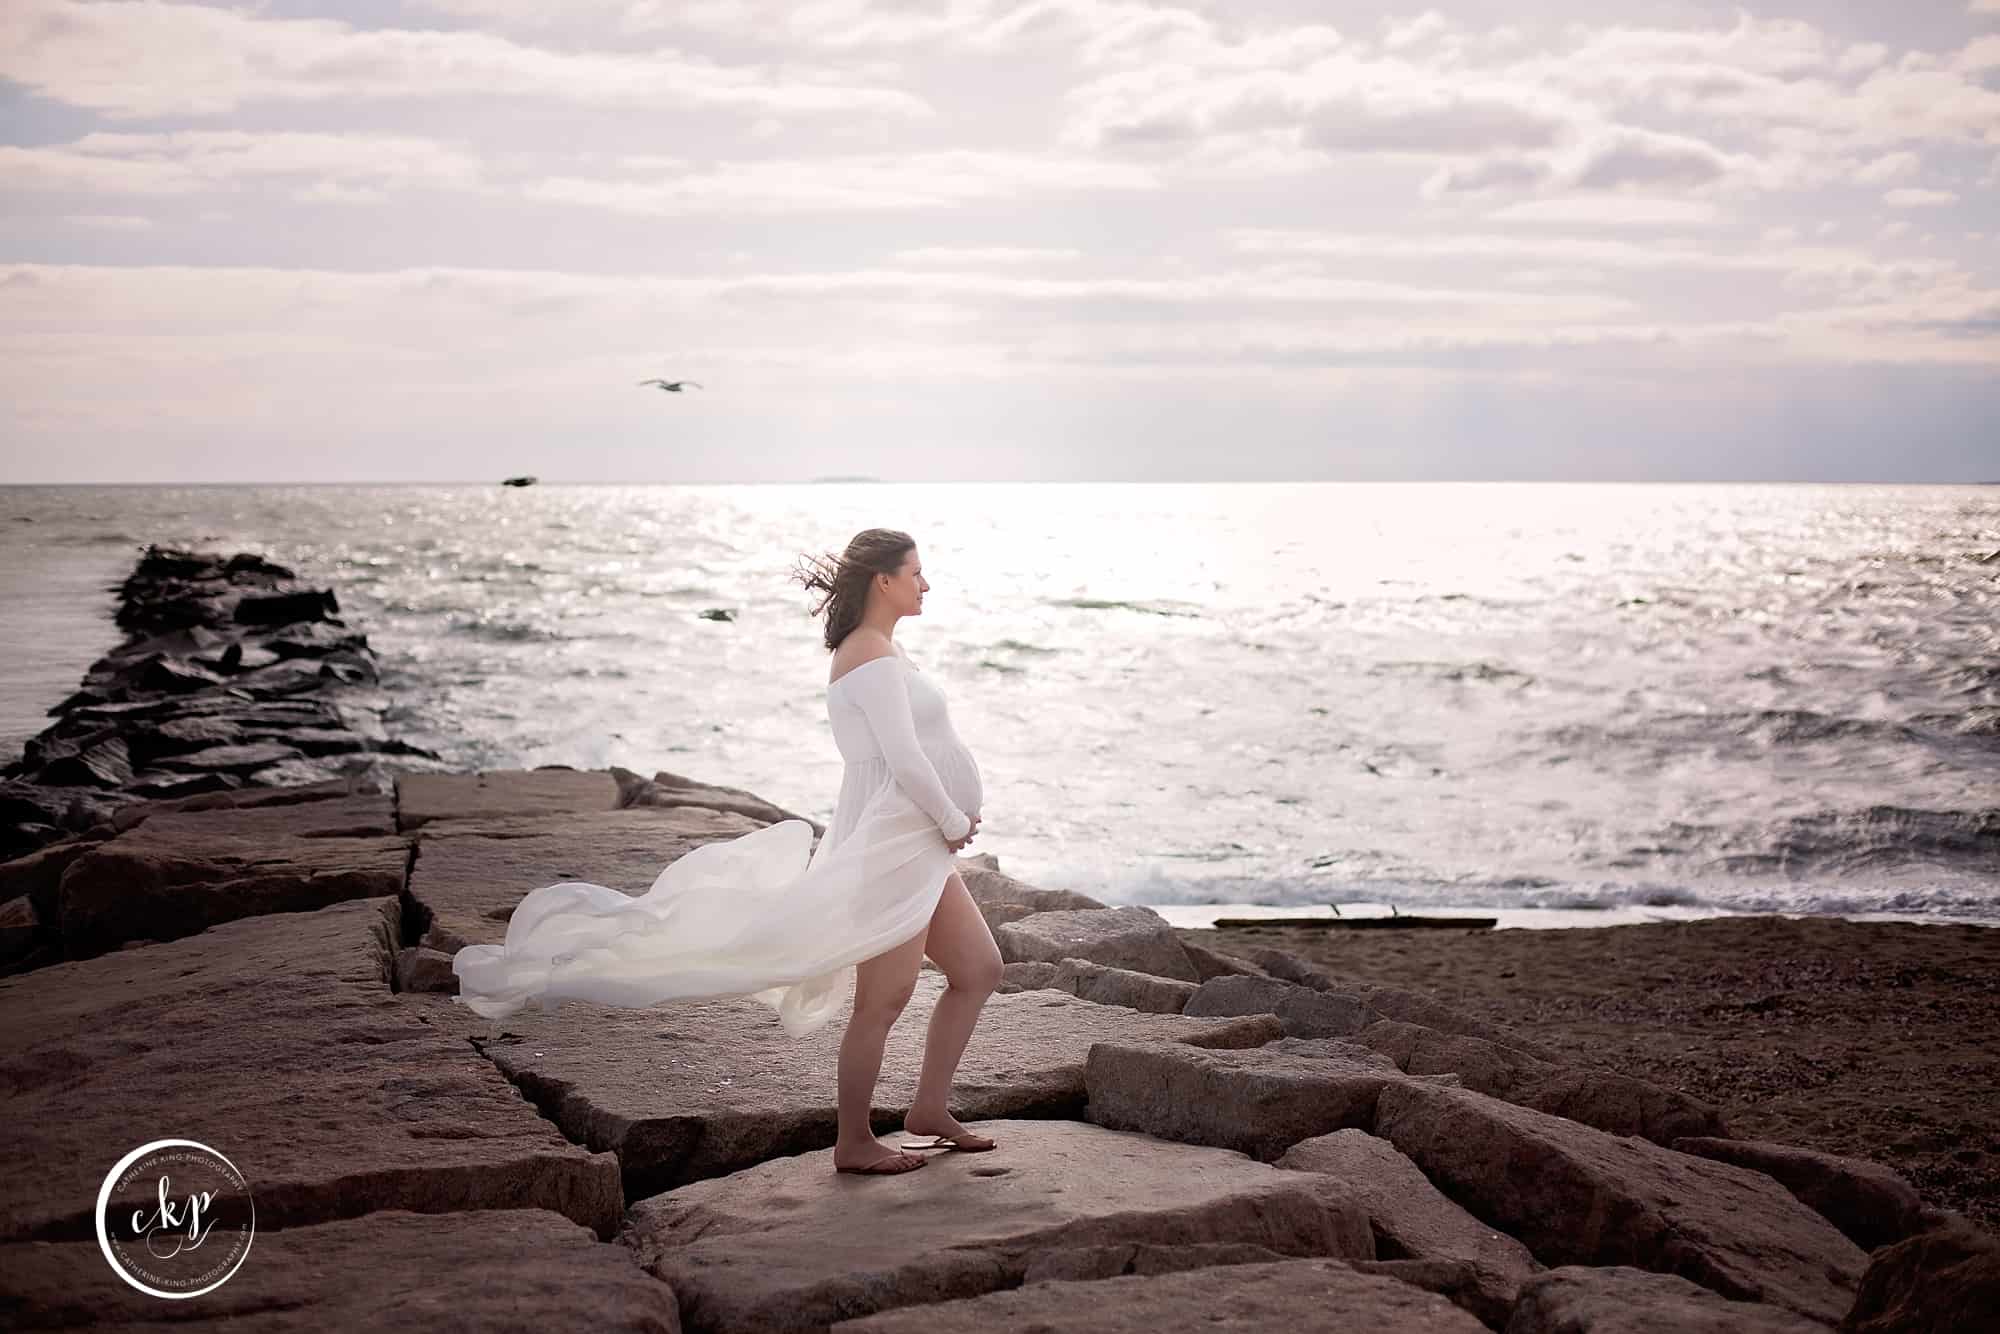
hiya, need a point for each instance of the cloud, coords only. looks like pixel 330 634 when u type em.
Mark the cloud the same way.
pixel 1429 125
pixel 1888 167
pixel 111 222
pixel 985 255
pixel 131 60
pixel 186 161
pixel 1612 211
pixel 859 183
pixel 1626 156
pixel 1919 198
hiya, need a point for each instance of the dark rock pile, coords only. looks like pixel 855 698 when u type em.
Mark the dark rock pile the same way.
pixel 235 688
pixel 232 676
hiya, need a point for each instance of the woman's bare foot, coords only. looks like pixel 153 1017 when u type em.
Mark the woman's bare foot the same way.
pixel 873 1157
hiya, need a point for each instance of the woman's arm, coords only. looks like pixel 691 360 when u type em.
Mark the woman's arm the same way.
pixel 885 698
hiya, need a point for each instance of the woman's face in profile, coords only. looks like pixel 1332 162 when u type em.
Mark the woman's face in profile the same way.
pixel 907 588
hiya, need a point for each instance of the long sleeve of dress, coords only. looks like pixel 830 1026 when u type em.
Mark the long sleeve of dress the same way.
pixel 884 696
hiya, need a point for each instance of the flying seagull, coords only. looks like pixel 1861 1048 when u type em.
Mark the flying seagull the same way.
pixel 670 386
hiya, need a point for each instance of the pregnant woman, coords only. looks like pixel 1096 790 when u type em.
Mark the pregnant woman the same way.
pixel 770 916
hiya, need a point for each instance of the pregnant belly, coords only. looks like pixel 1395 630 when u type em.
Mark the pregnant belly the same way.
pixel 959 773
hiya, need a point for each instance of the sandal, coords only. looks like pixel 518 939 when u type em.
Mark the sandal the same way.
pixel 880 1167
pixel 964 1142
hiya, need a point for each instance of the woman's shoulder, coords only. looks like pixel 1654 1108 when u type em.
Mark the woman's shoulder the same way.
pixel 861 646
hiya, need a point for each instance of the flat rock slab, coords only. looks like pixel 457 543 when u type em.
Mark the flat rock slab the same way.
pixel 696 1089
pixel 1284 1295
pixel 1134 938
pixel 670 789
pixel 1413 1219
pixel 1606 1099
pixel 1871 1203
pixel 469 875
pixel 1304 1012
pixel 791 1245
pixel 1118 986
pixel 495 1269
pixel 422 798
pixel 277 1041
pixel 1259 1102
pixel 1002 898
pixel 1621 1300
pixel 1578 1196
pixel 178 873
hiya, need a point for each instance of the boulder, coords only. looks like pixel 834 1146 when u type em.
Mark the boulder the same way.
pixel 499 1268
pixel 229 759
pixel 668 790
pixel 1618 1103
pixel 1576 1195
pixel 1618 1299
pixel 1485 1066
pixel 1304 1012
pixel 1291 968
pixel 176 874
pixel 1871 1203
pixel 1286 1295
pixel 139 812
pixel 1412 1220
pixel 693 1089
pixel 1087 1262
pixel 39 874
pixel 1624 1105
pixel 1459 1282
pixel 469 875
pixel 276 1040
pixel 1259 1102
pixel 421 969
pixel 790 1245
pixel 1025 976
pixel 502 793
pixel 106 762
pixel 154 784
pixel 1942 1281
pixel 1119 986
pixel 1135 938
pixel 20 929
pixel 1414 1008
pixel 1001 898
pixel 1210 963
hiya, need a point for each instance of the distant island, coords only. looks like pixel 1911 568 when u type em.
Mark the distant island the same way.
pixel 857 478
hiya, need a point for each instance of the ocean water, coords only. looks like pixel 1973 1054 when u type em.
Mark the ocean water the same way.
pixel 1504 696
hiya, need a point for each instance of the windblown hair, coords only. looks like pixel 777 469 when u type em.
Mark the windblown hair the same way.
pixel 844 578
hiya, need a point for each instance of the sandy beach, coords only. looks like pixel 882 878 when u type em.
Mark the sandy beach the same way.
pixel 1875 1039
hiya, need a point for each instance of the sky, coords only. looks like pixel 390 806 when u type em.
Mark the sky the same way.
pixel 941 240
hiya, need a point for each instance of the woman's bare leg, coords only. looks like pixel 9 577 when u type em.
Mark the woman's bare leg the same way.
pixel 962 946
pixel 882 987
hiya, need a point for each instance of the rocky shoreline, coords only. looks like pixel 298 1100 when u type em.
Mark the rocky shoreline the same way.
pixel 1195 1129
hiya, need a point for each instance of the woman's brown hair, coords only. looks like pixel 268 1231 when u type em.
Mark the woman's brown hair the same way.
pixel 844 578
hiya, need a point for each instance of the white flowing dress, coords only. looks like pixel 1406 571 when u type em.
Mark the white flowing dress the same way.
pixel 766 914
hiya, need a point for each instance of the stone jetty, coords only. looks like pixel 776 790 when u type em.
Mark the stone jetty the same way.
pixel 1188 1140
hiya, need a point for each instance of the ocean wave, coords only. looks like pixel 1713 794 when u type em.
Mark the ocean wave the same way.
pixel 1943 902
pixel 1156 607
pixel 1453 671
pixel 502 630
pixel 1843 843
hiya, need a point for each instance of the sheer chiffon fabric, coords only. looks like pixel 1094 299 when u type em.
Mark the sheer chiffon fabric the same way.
pixel 767 914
